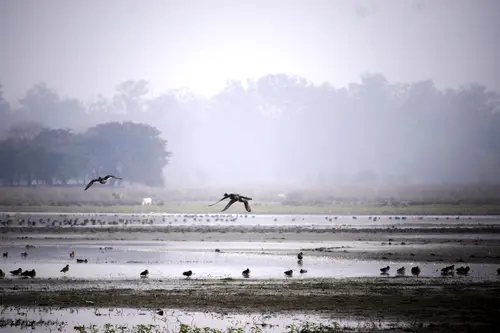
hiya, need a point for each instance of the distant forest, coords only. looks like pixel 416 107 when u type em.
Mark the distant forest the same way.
pixel 276 130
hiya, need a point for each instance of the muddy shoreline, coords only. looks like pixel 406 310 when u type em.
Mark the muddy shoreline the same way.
pixel 412 299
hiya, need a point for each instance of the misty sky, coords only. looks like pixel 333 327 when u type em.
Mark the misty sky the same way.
pixel 82 48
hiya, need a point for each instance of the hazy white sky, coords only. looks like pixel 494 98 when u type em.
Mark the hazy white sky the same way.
pixel 83 48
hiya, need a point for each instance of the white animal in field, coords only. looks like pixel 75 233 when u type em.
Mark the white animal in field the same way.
pixel 147 201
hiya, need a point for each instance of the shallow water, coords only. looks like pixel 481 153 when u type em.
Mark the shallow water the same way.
pixel 167 260
pixel 66 319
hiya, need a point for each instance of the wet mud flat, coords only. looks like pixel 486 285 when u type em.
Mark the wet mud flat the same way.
pixel 440 247
pixel 426 300
pixel 429 303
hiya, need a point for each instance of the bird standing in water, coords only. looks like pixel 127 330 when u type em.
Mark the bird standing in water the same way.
pixel 65 269
pixel 102 180
pixel 234 198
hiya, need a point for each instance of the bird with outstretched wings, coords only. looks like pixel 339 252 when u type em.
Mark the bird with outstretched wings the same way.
pixel 234 198
pixel 101 180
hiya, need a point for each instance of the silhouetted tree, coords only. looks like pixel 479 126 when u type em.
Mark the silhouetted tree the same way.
pixel 34 155
pixel 278 128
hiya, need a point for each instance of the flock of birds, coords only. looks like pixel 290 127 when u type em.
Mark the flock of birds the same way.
pixel 446 271
pixel 245 273
pixel 32 273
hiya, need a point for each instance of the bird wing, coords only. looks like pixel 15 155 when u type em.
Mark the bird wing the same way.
pixel 111 176
pixel 218 201
pixel 229 204
pixel 246 198
pixel 247 206
pixel 90 184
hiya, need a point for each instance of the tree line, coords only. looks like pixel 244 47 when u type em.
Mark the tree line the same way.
pixel 32 154
pixel 283 129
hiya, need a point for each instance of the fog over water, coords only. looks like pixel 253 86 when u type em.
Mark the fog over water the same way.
pixel 262 93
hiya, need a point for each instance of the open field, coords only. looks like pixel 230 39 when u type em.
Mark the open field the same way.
pixel 342 255
pixel 411 199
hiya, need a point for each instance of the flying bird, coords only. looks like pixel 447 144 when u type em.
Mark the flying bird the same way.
pixel 102 180
pixel 234 198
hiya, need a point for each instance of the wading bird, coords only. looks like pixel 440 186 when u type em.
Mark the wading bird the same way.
pixel 385 270
pixel 188 273
pixel 145 274
pixel 65 269
pixel 234 198
pixel 102 180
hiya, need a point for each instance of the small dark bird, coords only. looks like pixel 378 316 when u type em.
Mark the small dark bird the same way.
pixel 2 274
pixel 160 312
pixel 81 261
pixel 498 271
pixel 401 271
pixel 5 254
pixel 415 270
pixel 448 270
pixel 24 254
pixel 30 274
pixel 65 269
pixel 16 272
pixel 246 273
pixel 300 255
pixel 302 271
pixel 384 270
pixel 144 274
pixel 234 198
pixel 188 273
pixel 463 270
pixel 289 273
pixel 72 254
pixel 102 180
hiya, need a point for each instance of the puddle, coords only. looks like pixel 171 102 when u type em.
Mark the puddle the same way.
pixel 50 319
